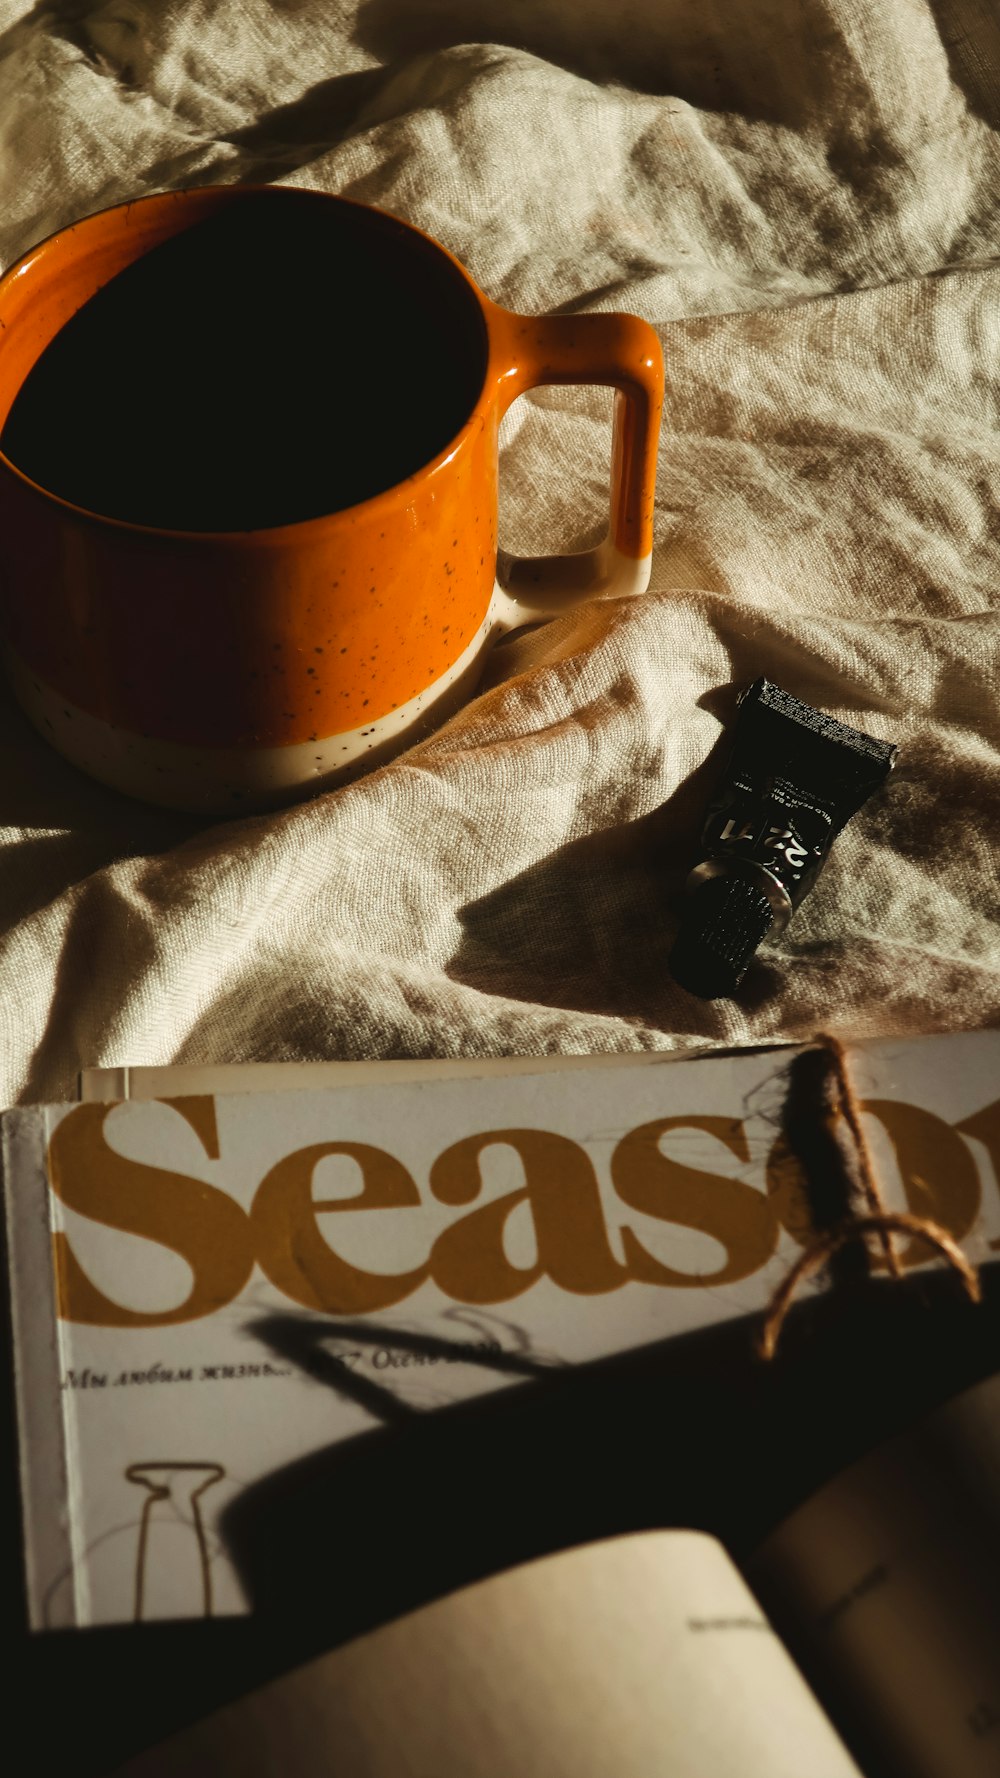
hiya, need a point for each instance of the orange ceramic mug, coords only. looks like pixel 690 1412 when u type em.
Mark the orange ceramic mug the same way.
pixel 222 669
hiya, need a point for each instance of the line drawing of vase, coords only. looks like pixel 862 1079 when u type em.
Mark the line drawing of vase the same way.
pixel 171 1564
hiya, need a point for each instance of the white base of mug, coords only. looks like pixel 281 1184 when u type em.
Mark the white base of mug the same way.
pixel 234 780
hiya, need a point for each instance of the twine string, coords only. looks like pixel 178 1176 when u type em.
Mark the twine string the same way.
pixel 856 1228
pixel 878 1221
pixel 848 1107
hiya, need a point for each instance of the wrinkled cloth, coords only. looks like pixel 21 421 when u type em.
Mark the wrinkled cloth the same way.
pixel 803 196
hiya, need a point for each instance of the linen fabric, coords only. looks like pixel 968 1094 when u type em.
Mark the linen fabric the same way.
pixel 802 197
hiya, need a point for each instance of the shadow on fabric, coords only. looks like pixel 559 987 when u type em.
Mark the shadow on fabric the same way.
pixel 727 58
pixel 594 920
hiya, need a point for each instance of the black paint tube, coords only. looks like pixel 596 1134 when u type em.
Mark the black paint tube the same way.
pixel 792 780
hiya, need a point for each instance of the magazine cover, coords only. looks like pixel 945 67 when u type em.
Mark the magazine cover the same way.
pixel 437 1239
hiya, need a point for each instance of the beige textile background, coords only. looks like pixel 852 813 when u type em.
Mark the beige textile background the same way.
pixel 804 197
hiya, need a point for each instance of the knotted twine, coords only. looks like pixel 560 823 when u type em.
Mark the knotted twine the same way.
pixel 841 1106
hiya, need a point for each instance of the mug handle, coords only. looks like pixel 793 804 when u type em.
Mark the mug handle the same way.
pixel 624 353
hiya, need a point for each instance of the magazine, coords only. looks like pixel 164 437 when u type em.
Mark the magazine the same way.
pixel 180 1268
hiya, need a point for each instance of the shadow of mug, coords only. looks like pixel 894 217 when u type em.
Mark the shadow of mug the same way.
pixel 239 654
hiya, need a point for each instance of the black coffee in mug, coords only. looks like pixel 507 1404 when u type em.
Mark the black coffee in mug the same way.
pixel 275 362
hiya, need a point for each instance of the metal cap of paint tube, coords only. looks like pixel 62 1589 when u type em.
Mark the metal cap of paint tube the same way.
pixel 727 916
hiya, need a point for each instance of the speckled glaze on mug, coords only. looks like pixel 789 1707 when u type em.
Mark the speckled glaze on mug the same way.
pixel 224 671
